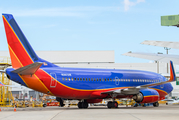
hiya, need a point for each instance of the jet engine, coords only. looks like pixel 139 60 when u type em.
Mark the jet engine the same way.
pixel 147 96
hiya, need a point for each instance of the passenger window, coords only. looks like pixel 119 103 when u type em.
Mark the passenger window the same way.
pixel 89 79
pixel 66 79
pixel 72 79
pixel 108 79
pixel 75 79
pixel 111 79
pixel 69 79
pixel 99 79
pixel 119 79
pixel 78 79
pixel 102 79
pixel 105 79
pixel 83 79
pixel 86 79
pixel 94 79
pixel 63 78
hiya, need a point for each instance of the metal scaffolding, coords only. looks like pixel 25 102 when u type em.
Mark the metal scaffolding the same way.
pixel 5 91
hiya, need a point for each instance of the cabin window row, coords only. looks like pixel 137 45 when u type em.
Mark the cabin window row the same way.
pixel 108 79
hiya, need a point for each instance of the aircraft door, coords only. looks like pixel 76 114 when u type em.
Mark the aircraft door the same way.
pixel 162 86
pixel 117 81
pixel 53 82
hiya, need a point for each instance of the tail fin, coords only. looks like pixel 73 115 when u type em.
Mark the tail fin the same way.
pixel 172 73
pixel 20 50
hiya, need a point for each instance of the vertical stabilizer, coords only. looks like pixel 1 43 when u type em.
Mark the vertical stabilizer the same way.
pixel 20 50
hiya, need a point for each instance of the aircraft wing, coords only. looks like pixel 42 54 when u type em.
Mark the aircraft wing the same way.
pixel 153 56
pixel 167 44
pixel 135 90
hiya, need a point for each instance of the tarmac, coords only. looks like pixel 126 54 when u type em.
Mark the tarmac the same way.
pixel 163 112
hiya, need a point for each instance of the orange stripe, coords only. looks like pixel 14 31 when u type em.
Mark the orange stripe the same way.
pixel 34 83
pixel 15 61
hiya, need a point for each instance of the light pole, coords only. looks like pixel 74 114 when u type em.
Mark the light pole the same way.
pixel 167 49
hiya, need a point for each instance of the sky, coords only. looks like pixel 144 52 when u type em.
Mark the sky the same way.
pixel 72 25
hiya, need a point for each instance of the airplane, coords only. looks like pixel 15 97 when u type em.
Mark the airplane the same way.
pixel 158 56
pixel 88 85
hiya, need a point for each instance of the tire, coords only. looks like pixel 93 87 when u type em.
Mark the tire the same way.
pixel 115 104
pixel 79 105
pixel 44 105
pixel 155 104
pixel 109 105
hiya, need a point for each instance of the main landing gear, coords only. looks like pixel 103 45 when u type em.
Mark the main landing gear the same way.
pixel 112 104
pixel 155 104
pixel 83 104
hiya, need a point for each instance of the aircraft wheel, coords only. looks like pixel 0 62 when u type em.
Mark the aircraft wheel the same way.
pixel 115 104
pixel 79 105
pixel 85 105
pixel 109 104
pixel 155 104
pixel 82 105
pixel 112 104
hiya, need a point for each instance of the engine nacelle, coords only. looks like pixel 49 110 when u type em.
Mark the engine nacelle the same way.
pixel 147 96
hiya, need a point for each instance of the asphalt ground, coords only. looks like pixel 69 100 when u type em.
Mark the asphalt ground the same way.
pixel 163 112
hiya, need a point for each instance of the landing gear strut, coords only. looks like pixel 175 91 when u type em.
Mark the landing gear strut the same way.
pixel 83 104
pixel 113 104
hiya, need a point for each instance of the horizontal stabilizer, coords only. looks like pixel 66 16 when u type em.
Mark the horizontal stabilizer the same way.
pixel 29 69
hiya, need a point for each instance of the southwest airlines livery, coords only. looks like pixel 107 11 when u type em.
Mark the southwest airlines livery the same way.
pixel 83 84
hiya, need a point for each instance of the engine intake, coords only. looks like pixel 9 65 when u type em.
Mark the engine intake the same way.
pixel 138 98
pixel 147 96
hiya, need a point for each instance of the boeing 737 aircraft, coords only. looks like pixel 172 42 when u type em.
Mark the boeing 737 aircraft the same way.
pixel 83 84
